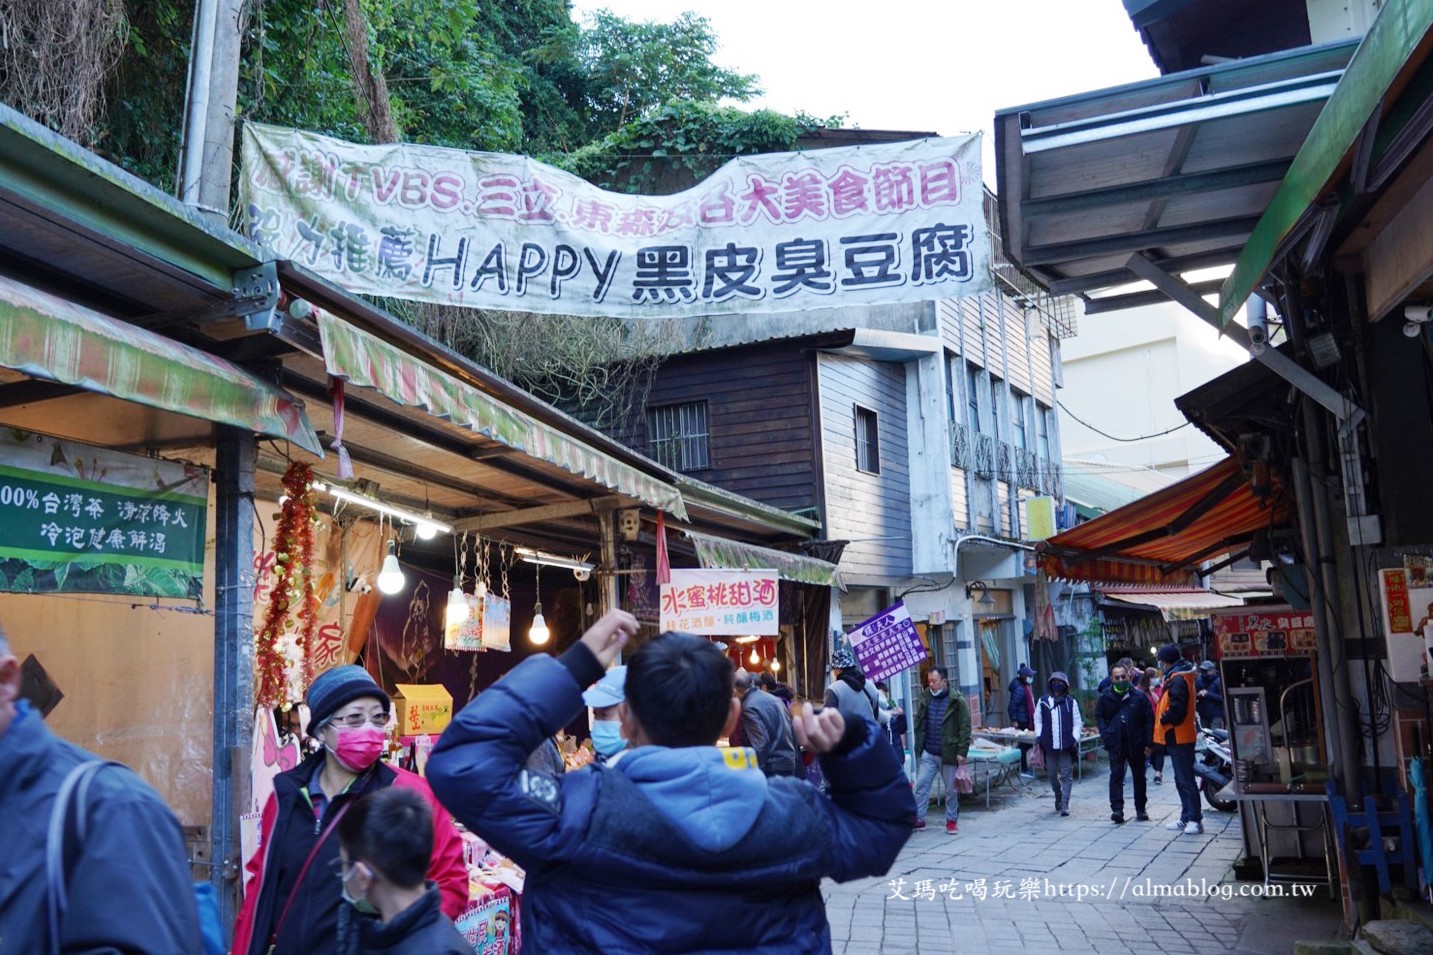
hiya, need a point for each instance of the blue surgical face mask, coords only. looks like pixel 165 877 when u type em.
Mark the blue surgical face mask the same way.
pixel 607 738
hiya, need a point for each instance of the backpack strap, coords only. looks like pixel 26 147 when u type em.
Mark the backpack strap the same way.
pixel 57 898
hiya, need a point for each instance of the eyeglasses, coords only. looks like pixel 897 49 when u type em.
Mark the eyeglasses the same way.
pixel 355 720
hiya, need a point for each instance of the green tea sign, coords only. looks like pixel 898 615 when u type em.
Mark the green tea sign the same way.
pixel 76 518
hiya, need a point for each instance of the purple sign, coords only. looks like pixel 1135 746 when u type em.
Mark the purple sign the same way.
pixel 887 643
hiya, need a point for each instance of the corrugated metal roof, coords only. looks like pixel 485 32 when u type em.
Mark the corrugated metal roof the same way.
pixel 1178 168
pixel 1102 486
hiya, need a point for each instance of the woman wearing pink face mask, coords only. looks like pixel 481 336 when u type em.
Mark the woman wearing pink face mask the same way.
pixel 293 904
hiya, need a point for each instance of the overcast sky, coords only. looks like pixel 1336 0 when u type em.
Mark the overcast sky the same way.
pixel 940 65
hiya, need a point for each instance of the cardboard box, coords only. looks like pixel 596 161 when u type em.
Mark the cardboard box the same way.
pixel 422 708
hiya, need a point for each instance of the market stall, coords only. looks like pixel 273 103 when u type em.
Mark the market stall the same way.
pixel 1276 731
pixel 175 352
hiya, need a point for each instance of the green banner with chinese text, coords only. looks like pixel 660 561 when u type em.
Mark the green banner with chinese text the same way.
pixel 77 518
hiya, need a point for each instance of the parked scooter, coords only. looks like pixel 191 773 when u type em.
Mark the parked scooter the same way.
pixel 1214 767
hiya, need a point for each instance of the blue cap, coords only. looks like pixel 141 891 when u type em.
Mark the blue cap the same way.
pixel 338 687
pixel 608 691
pixel 1024 671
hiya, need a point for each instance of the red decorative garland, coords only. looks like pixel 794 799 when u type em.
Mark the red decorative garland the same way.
pixel 293 583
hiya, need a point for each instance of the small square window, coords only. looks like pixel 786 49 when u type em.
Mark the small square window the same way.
pixel 677 436
pixel 868 445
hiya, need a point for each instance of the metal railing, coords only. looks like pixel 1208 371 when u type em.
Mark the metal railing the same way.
pixel 983 460
pixel 962 443
pixel 1057 312
pixel 1027 469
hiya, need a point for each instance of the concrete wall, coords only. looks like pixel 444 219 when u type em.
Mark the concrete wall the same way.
pixel 1122 374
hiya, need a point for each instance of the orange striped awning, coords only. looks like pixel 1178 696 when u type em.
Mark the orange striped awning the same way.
pixel 1160 538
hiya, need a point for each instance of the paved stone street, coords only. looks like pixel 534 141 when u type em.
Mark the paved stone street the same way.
pixel 1020 843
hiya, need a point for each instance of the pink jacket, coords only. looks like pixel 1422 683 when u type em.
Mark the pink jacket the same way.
pixel 447 868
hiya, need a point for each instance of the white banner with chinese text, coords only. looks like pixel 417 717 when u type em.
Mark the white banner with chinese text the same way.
pixel 720 603
pixel 863 225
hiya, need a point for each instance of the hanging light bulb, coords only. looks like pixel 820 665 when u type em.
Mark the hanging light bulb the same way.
pixel 390 578
pixel 538 632
pixel 458 608
pixel 755 657
pixel 775 666
pixel 425 532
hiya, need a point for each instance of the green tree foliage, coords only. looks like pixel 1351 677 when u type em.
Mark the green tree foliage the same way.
pixel 501 75
pixel 672 148
pixel 634 68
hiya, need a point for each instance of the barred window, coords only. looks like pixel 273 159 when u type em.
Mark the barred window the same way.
pixel 868 446
pixel 677 436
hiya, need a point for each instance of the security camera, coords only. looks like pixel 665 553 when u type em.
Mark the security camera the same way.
pixel 583 574
pixel 1412 329
pixel 1417 313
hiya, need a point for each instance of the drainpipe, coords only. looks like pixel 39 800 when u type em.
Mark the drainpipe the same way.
pixel 1332 667
pixel 1324 593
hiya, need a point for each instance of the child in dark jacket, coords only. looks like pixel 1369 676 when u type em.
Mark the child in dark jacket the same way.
pixel 1126 722
pixel 385 840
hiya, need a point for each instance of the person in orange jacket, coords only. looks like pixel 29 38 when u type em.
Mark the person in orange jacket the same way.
pixel 292 903
pixel 1174 727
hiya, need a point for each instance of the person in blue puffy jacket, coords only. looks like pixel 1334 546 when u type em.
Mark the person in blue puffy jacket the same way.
pixel 681 845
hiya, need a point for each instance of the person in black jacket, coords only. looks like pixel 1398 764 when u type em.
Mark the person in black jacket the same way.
pixel 1021 711
pixel 1126 722
pixel 680 846
pixel 1209 692
pixel 385 842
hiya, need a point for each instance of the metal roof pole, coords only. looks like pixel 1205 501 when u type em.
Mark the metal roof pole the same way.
pixel 1280 364
pixel 213 90
pixel 196 105
pixel 233 657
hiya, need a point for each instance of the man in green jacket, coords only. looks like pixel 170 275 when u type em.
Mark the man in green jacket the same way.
pixel 941 733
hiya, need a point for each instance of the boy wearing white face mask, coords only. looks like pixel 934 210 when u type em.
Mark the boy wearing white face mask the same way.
pixel 292 903
pixel 602 700
pixel 385 842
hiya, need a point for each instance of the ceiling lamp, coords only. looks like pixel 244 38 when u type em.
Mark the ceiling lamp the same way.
pixel 581 569
pixel 425 526
pixel 390 578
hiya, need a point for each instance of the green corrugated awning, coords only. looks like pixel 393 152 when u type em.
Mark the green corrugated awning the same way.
pixel 1396 34
pixel 370 362
pixel 45 336
pixel 719 552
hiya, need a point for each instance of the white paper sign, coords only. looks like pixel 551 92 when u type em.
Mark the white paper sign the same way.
pixel 721 602
pixel 497 623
